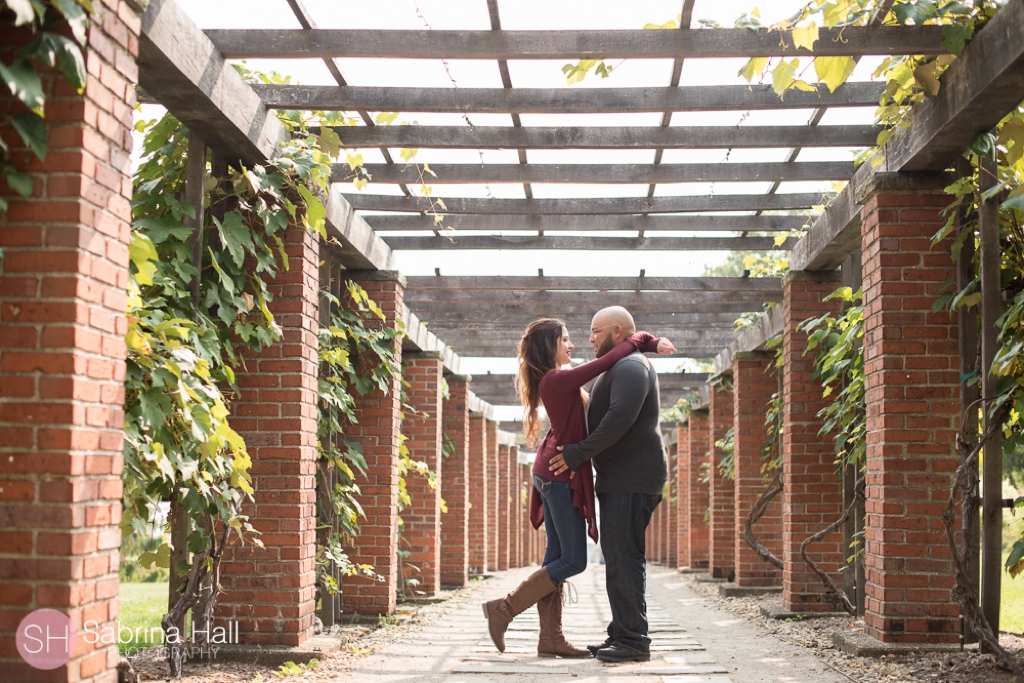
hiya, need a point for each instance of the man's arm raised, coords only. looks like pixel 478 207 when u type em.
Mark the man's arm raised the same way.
pixel 627 393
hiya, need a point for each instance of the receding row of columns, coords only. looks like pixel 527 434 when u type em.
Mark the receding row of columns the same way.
pixel 911 361
pixel 478 478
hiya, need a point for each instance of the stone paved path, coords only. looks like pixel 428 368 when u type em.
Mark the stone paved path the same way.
pixel 692 642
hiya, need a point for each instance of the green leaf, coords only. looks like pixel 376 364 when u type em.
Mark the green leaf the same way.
pixel 1015 202
pixel 23 11
pixel 76 16
pixel 60 53
pixel 19 182
pixel 235 236
pixel 955 36
pixel 833 71
pixel 984 145
pixel 32 130
pixel 24 83
pixel 143 254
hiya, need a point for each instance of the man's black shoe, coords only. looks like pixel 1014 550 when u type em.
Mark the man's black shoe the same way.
pixel 620 653
pixel 594 648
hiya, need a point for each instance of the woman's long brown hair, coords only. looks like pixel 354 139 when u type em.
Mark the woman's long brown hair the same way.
pixel 538 355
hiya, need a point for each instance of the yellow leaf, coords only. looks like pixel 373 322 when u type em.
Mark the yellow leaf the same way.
pixel 754 67
pixel 781 238
pixel 386 117
pixel 927 77
pixel 833 71
pixel 408 154
pixel 805 36
pixel 360 183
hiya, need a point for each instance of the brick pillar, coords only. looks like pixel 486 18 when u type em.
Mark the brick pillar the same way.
pixel 812 497
pixel 515 508
pixel 478 495
pixel 270 590
pixel 378 429
pixel 421 371
pixel 503 505
pixel 671 533
pixel 753 387
pixel 493 493
pixel 683 496
pixel 911 371
pixel 697 494
pixel 528 531
pixel 722 523
pixel 62 354
pixel 454 484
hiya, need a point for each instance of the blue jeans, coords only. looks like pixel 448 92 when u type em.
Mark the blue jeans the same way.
pixel 624 520
pixel 566 554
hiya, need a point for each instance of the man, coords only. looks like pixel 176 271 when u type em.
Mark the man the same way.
pixel 625 445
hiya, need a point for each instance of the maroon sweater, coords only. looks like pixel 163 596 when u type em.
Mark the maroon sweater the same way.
pixel 560 393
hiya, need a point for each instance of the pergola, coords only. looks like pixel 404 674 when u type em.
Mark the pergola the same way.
pixel 876 231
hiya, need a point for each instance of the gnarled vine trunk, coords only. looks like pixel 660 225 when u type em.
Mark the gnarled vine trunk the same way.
pixel 829 582
pixel 757 511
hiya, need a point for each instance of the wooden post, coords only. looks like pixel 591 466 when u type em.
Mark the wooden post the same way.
pixel 992 468
pixel 195 194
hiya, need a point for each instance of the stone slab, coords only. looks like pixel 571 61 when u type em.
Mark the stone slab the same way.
pixel 691 659
pixel 781 613
pixel 707 578
pixel 696 669
pixel 860 644
pixel 696 679
pixel 731 590
pixel 276 655
pixel 485 668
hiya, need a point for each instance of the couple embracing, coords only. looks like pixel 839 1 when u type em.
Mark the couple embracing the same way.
pixel 616 432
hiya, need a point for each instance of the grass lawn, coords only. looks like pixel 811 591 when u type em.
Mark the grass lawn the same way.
pixel 1011 612
pixel 142 606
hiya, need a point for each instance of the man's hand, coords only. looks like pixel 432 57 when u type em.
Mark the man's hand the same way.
pixel 557 464
pixel 665 347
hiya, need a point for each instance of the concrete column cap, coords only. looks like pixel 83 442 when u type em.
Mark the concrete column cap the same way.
pixel 375 276
pixel 914 182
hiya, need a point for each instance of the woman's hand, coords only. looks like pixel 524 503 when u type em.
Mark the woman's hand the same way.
pixel 665 347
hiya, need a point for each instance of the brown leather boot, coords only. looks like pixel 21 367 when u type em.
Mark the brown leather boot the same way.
pixel 500 612
pixel 552 642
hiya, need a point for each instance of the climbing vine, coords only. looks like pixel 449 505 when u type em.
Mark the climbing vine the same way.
pixel 22 77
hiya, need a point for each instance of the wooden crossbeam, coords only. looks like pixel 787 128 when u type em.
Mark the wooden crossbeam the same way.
pixel 497 388
pixel 461 174
pixel 518 320
pixel 618 205
pixel 687 43
pixel 666 302
pixel 592 223
pixel 542 283
pixel 563 100
pixel 454 242
pixel 696 350
pixel 606 137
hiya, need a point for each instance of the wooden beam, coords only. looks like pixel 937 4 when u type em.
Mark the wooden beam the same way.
pixel 606 137
pixel 461 174
pixel 593 223
pixel 539 283
pixel 181 69
pixel 981 87
pixel 508 350
pixel 563 100
pixel 497 389
pixel 618 205
pixel 454 242
pixel 578 318
pixel 583 302
pixel 984 84
pixel 641 44
pixel 186 73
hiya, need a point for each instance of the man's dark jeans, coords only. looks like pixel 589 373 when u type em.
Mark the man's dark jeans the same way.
pixel 624 520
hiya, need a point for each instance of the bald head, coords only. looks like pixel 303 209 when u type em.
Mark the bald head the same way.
pixel 610 326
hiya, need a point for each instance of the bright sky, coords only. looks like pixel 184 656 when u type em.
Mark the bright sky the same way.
pixel 547 15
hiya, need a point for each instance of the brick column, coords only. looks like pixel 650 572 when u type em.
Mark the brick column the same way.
pixel 672 518
pixel 812 497
pixel 270 590
pixel 378 429
pixel 683 496
pixel 421 371
pixel 515 508
pixel 526 541
pixel 753 387
pixel 62 354
pixel 911 365
pixel 454 484
pixel 494 468
pixel 503 505
pixel 697 494
pixel 479 469
pixel 722 523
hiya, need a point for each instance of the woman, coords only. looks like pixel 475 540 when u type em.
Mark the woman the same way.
pixel 564 502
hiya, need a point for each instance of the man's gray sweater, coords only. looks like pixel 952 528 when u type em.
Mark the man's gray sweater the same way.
pixel 625 430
